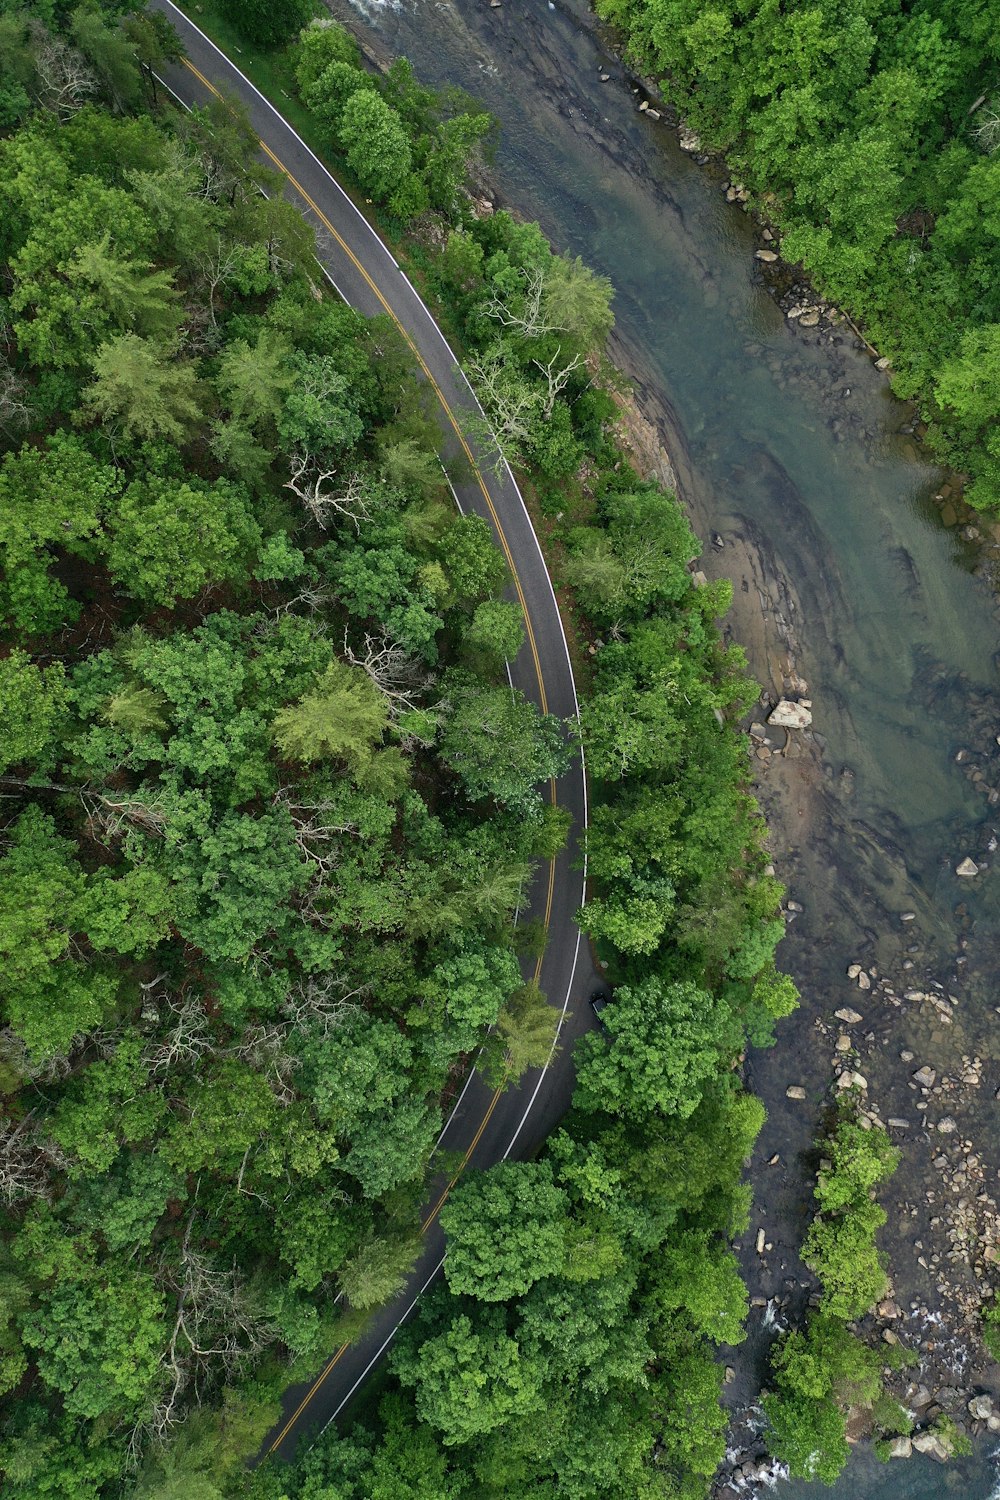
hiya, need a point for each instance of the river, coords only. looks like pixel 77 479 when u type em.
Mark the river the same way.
pixel 787 443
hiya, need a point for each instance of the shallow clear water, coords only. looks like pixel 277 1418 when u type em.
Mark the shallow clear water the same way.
pixel 800 445
pixel 913 1479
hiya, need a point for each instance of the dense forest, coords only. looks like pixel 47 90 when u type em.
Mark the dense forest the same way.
pixel 869 132
pixel 269 806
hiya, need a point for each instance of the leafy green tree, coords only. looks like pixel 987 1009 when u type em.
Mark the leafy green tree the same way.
pixel 666 1040
pixel 376 144
pixel 699 1280
pixel 49 995
pixel 33 702
pixel 473 565
pixel 268 23
pixel 841 1250
pixel 139 387
pixel 523 1038
pixel 111 54
pixel 495 634
pixel 169 539
pixel 110 1104
pixel 378 1271
pixel 809 1435
pixel 505 1228
pixel 319 414
pixel 468 1379
pixel 819 1374
pixel 342 718
pixel 577 301
pixel 66 307
pixel 858 1161
pixel 320 44
pixel 233 875
pixel 500 745
pixel 98 1342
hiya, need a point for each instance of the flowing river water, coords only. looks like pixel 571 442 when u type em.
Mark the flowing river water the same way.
pixel 787 444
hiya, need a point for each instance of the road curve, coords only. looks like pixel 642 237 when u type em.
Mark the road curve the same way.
pixel 484 1127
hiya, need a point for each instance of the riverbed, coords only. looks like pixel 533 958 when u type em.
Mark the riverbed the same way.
pixel 788 446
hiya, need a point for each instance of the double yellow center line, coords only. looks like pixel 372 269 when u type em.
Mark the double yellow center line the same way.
pixel 505 545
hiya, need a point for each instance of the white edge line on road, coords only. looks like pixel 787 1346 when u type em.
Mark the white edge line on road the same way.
pixel 381 1349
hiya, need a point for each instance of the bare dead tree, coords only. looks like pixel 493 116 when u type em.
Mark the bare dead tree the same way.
pixel 509 399
pixel 557 378
pixel 216 1332
pixel 115 814
pixel 24 1163
pixel 314 599
pixel 319 828
pixel 15 412
pixel 65 79
pixel 986 131
pixel 262 1047
pixel 217 268
pixel 397 675
pixel 529 319
pixel 320 1002
pixel 188 1036
pixel 311 484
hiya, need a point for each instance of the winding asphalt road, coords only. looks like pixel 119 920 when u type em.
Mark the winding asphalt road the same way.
pixel 484 1127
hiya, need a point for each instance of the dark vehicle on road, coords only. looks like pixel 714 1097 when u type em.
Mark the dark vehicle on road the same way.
pixel 599 1002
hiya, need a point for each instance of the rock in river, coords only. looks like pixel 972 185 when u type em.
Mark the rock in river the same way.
pixel 967 868
pixel 788 715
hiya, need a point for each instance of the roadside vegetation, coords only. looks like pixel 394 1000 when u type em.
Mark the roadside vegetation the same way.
pixel 571 1349
pixel 869 132
pixel 261 854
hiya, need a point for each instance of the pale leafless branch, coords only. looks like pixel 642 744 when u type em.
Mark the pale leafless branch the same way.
pixel 188 1036
pixel 65 79
pixel 527 319
pixel 509 399
pixel 311 484
pixel 321 1001
pixel 399 678
pixel 558 378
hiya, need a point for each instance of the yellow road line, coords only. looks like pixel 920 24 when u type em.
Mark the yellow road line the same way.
pixel 432 1215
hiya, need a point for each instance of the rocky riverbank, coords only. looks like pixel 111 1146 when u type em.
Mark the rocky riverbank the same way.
pixel 894 1028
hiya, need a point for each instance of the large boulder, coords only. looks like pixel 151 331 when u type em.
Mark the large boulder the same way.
pixel 789 715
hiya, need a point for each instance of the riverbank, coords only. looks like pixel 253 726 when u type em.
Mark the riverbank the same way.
pixel 895 1014
pixel 891 623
